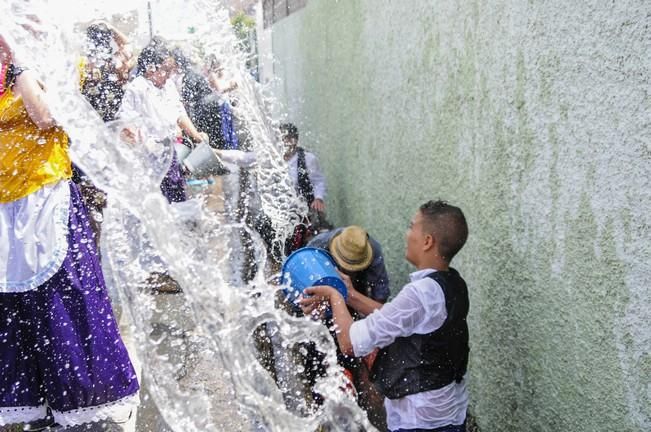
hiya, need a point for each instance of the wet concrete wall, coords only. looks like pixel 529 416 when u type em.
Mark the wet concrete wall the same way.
pixel 534 117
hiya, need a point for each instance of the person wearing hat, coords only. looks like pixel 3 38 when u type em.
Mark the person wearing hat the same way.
pixel 422 333
pixel 360 257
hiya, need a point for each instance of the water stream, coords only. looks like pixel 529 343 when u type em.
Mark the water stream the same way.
pixel 198 247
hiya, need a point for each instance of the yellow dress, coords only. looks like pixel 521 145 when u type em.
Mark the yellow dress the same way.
pixel 30 158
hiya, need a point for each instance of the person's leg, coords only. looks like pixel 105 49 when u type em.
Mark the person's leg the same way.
pixel 369 398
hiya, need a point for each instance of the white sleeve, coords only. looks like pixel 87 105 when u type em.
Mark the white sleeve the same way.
pixel 129 105
pixel 316 176
pixel 174 100
pixel 418 309
pixel 238 157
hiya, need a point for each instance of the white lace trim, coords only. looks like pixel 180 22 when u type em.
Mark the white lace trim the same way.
pixel 117 411
pixel 22 414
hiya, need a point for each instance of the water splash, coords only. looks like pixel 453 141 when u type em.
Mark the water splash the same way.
pixel 142 231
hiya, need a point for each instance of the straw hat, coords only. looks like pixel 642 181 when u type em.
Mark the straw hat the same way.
pixel 351 249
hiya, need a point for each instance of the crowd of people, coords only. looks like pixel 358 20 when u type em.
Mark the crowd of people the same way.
pixel 60 349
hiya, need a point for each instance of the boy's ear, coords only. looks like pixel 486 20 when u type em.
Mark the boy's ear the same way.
pixel 430 242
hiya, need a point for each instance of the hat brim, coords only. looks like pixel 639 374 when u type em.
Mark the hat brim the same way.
pixel 334 248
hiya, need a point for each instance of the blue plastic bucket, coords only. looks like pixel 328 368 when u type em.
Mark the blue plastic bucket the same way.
pixel 307 267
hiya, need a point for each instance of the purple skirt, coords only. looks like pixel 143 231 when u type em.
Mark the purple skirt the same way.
pixel 59 343
pixel 173 184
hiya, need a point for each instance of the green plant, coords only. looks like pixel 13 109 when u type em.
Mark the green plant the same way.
pixel 243 24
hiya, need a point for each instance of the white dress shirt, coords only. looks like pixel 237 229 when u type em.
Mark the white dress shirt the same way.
pixel 154 111
pixel 313 171
pixel 418 309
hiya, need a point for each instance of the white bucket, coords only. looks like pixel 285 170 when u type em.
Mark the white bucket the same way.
pixel 182 151
pixel 203 162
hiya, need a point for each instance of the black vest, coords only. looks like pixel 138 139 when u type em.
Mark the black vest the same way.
pixel 423 362
pixel 304 186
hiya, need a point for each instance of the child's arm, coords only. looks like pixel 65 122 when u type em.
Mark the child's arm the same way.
pixel 340 314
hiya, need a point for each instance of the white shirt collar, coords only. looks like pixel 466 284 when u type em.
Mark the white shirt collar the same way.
pixel 420 274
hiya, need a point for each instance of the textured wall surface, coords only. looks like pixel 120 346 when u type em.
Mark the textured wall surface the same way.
pixel 534 117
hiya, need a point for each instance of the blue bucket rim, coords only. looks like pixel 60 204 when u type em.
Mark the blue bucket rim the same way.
pixel 308 248
pixel 283 271
pixel 304 249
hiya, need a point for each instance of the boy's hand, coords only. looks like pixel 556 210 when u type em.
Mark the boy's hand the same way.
pixel 315 300
pixel 319 293
pixel 314 307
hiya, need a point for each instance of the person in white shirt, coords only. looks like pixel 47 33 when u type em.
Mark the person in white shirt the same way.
pixel 304 169
pixel 153 105
pixel 309 183
pixel 422 333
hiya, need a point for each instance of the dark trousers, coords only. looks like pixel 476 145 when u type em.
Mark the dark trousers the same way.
pixel 448 428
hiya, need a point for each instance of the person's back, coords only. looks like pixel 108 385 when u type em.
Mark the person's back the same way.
pixel 428 360
pixel 352 247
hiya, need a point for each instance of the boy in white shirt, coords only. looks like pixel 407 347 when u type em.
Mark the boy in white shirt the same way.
pixel 422 333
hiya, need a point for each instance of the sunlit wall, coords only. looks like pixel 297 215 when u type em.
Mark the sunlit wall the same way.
pixel 534 117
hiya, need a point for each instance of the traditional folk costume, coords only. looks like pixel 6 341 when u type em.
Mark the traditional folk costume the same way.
pixel 59 342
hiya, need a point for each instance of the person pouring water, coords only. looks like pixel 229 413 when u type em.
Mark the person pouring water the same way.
pixel 422 333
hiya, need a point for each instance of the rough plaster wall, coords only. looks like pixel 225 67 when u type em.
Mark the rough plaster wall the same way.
pixel 534 117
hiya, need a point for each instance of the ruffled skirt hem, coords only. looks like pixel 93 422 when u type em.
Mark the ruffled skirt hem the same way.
pixel 118 411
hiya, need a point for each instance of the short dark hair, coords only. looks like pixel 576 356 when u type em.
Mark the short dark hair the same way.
pixel 449 224
pixel 153 54
pixel 289 130
pixel 99 34
pixel 99 38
